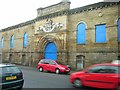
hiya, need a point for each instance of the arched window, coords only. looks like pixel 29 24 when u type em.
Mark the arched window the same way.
pixel 25 40
pixel 2 43
pixel 12 41
pixel 81 33
pixel 119 30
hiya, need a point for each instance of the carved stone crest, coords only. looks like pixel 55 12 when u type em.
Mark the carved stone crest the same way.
pixel 50 26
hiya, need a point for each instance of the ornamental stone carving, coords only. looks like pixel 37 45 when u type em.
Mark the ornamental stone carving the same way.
pixel 49 26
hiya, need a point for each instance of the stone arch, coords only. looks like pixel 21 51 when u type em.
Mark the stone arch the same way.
pixel 43 41
pixel 83 23
pixel 50 38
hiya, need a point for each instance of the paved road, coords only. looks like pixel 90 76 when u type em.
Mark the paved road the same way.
pixel 35 79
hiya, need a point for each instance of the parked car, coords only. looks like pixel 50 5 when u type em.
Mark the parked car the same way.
pixel 106 76
pixel 11 77
pixel 52 66
pixel 60 62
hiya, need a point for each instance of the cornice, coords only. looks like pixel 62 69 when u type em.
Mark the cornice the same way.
pixel 92 7
pixel 18 25
pixel 56 14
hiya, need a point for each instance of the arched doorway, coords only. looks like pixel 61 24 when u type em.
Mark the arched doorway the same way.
pixel 50 51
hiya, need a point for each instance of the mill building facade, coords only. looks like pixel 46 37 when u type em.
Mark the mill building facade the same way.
pixel 79 37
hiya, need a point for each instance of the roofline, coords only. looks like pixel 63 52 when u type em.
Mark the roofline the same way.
pixel 65 12
pixel 90 7
pixel 51 5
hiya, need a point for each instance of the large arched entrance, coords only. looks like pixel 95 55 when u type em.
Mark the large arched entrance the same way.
pixel 51 51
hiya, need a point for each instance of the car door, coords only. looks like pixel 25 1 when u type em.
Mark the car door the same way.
pixel 95 77
pixel 45 65
pixel 111 76
pixel 52 66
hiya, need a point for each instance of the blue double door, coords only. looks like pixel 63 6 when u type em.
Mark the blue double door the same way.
pixel 51 51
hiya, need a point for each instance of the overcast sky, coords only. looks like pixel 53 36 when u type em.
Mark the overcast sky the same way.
pixel 13 12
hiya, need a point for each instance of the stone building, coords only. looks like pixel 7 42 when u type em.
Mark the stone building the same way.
pixel 79 37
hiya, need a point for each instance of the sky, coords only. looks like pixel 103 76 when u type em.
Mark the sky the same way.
pixel 13 12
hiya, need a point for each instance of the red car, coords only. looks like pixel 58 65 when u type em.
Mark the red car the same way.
pixel 52 66
pixel 106 76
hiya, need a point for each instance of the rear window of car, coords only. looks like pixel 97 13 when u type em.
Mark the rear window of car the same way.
pixel 45 61
pixel 9 69
pixel 41 61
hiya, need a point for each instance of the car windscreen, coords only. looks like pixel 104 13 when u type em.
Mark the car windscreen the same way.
pixel 60 62
pixel 9 69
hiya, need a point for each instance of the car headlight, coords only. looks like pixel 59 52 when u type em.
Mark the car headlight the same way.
pixel 62 68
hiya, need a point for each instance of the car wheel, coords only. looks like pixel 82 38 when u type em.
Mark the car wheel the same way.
pixel 77 83
pixel 57 71
pixel 20 88
pixel 40 69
